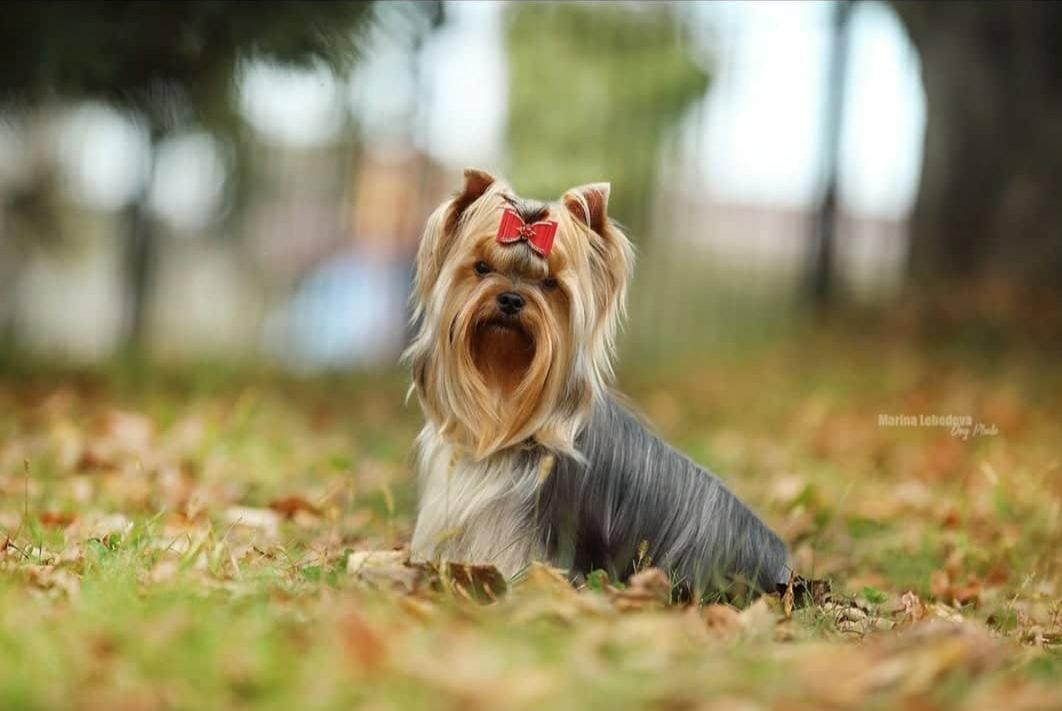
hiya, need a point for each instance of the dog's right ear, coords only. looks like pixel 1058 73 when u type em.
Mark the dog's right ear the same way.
pixel 476 183
pixel 440 229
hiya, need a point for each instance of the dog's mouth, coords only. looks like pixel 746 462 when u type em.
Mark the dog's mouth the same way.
pixel 503 350
pixel 502 324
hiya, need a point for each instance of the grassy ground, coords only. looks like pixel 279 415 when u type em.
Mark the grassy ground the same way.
pixel 184 542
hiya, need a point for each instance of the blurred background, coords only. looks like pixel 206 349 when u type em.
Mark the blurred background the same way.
pixel 848 218
pixel 248 181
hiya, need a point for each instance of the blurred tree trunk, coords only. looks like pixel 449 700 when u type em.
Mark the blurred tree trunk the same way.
pixel 140 256
pixel 821 285
pixel 989 200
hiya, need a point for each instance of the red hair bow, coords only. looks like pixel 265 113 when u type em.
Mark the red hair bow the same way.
pixel 539 235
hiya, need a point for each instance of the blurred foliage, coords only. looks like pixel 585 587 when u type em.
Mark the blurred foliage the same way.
pixel 593 91
pixel 171 65
pixel 166 59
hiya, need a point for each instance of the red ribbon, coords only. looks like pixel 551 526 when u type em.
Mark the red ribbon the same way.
pixel 539 236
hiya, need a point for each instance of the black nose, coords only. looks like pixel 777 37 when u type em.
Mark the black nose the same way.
pixel 510 302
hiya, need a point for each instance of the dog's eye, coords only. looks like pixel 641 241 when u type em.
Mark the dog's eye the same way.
pixel 482 268
pixel 549 283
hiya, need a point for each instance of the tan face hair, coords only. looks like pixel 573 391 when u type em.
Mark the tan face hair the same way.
pixel 489 380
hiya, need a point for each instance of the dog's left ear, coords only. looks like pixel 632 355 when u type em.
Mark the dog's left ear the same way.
pixel 611 261
pixel 589 205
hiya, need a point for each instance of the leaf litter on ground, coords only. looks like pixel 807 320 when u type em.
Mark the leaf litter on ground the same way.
pixel 252 540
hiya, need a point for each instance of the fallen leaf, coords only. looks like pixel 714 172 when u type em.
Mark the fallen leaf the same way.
pixel 52 577
pixel 57 519
pixel 544 592
pixel 757 620
pixel 388 570
pixel 288 506
pixel 132 430
pixel 479 582
pixel 96 457
pixel 722 620
pixel 788 599
pixel 969 593
pixel 366 646
pixel 422 610
pixel 945 589
pixel 939 584
pixel 265 520
pixel 545 578
pixel 645 589
pixel 109 526
pixel 809 592
pixel 358 561
pixel 944 612
pixel 911 609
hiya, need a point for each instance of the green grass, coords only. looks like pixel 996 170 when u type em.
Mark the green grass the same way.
pixel 144 567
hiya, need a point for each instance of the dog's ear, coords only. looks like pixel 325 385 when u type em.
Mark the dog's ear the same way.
pixel 611 261
pixel 477 182
pixel 439 232
pixel 589 205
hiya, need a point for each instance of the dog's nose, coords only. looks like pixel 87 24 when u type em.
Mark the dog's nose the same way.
pixel 510 302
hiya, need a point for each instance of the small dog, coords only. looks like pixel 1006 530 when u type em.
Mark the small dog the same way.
pixel 526 454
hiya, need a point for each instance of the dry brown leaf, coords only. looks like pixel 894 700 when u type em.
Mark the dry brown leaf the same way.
pixel 419 608
pixel 96 457
pixel 931 649
pixel 484 583
pixel 806 592
pixel 758 620
pixel 951 518
pixel 544 593
pixel 57 519
pixel 388 570
pixel 911 609
pixel 366 646
pixel 358 561
pixel 265 520
pixel 788 600
pixel 944 612
pixel 545 578
pixel 722 620
pixel 945 588
pixel 165 570
pixel 108 526
pixel 53 577
pixel 649 588
pixel 288 506
pixel 939 584
pixel 131 430
pixel 906 666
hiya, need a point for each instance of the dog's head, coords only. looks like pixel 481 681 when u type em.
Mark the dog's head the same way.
pixel 516 306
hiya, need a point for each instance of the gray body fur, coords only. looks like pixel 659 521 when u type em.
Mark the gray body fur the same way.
pixel 634 501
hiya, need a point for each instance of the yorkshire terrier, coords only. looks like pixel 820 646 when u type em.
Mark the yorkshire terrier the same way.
pixel 527 454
